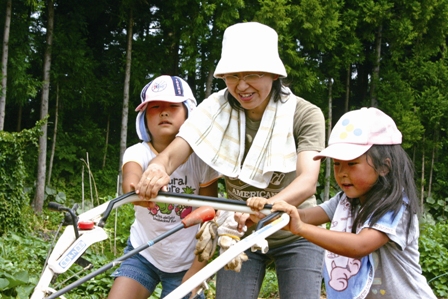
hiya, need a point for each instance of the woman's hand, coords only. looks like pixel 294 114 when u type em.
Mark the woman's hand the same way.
pixel 143 203
pixel 153 179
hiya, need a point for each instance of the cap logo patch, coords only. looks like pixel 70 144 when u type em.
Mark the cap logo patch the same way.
pixel 178 90
pixel 348 129
pixel 158 86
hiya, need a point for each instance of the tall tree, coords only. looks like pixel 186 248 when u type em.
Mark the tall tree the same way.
pixel 42 161
pixel 329 127
pixel 22 83
pixel 55 133
pixel 5 63
pixel 125 109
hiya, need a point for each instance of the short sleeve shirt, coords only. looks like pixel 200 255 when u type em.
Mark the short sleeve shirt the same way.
pixel 309 134
pixel 397 272
pixel 149 224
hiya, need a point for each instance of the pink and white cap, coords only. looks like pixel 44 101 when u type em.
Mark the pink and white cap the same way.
pixel 356 131
pixel 167 89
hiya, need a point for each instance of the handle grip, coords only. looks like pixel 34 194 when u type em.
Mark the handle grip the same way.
pixel 198 216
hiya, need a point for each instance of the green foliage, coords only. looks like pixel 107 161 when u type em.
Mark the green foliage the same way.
pixel 22 255
pixel 100 254
pixel 120 230
pixel 13 174
pixel 269 288
pixel 222 192
pixel 438 208
pixel 21 260
pixel 320 188
pixel 434 256
pixel 318 40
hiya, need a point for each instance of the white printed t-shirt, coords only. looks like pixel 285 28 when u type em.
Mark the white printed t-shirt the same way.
pixel 176 252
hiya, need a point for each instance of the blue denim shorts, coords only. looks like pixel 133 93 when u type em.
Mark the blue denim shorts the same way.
pixel 141 270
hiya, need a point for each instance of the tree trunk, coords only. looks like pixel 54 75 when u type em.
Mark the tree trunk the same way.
pixel 376 69
pixel 5 63
pixel 19 119
pixel 430 170
pixel 41 165
pixel 329 121
pixel 433 158
pixel 107 141
pixel 422 186
pixel 55 132
pixel 208 86
pixel 347 87
pixel 124 117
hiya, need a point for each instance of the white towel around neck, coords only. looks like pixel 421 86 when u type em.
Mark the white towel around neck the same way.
pixel 216 133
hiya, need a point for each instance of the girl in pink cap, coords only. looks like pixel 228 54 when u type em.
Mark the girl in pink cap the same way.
pixel 372 244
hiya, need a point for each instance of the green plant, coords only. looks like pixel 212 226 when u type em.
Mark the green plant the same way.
pixel 13 174
pixel 210 293
pixel 438 208
pixel 269 288
pixel 22 255
pixel 21 259
pixel 222 192
pixel 157 292
pixel 434 256
pixel 53 195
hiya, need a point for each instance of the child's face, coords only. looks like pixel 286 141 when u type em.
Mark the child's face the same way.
pixel 164 119
pixel 355 177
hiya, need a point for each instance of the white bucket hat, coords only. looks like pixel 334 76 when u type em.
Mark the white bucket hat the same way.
pixel 163 88
pixel 357 131
pixel 250 47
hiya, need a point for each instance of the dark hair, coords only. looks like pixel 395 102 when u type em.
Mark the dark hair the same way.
pixel 277 92
pixel 387 193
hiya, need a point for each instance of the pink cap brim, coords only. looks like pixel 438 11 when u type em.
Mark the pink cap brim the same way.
pixel 343 151
pixel 170 99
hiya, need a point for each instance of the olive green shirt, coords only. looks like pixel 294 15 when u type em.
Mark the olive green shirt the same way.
pixel 309 134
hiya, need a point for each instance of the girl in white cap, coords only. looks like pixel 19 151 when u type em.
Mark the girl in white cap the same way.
pixel 166 103
pixel 372 244
pixel 262 138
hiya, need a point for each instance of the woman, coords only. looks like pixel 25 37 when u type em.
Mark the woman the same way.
pixel 262 139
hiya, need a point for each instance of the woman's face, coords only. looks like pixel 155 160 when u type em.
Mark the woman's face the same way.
pixel 253 94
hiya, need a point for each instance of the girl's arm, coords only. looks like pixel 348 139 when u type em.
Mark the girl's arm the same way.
pixel 342 243
pixel 314 216
pixel 132 172
pixel 300 189
pixel 195 267
pixel 157 175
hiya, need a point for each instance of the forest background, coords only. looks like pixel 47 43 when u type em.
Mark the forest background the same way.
pixel 72 72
